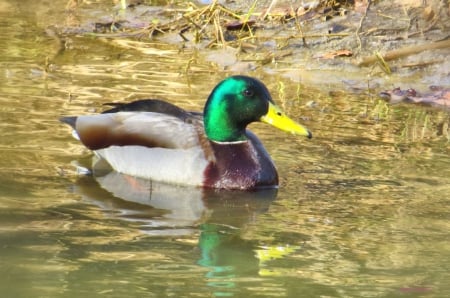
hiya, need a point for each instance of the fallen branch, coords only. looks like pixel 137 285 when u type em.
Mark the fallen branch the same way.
pixel 399 53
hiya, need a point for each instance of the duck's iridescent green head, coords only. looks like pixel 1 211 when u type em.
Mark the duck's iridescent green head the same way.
pixel 236 102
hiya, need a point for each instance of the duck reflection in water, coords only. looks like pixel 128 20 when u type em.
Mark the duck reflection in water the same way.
pixel 169 210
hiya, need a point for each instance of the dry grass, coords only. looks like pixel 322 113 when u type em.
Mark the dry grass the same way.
pixel 223 27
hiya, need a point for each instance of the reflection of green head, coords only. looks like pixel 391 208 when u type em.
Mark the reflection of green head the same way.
pixel 232 105
pixel 210 239
pixel 224 250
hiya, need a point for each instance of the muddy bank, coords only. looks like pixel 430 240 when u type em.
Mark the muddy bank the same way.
pixel 354 45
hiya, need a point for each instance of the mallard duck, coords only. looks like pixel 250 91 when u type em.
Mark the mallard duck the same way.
pixel 156 140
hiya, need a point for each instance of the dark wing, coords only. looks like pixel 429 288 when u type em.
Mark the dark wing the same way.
pixel 151 105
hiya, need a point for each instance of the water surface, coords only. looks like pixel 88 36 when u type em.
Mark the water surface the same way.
pixel 362 209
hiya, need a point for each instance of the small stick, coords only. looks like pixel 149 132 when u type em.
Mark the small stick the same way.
pixel 403 52
pixel 360 25
pixel 263 16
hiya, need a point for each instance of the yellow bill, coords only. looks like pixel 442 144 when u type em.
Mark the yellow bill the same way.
pixel 277 118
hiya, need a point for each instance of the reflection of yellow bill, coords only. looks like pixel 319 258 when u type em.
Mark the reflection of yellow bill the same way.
pixel 277 118
pixel 267 253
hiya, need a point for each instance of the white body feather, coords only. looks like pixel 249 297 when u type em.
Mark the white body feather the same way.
pixel 185 166
pixel 180 159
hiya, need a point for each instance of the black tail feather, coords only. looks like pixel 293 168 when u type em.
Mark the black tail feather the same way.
pixel 71 120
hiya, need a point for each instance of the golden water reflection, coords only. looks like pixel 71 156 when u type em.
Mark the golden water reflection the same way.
pixel 362 209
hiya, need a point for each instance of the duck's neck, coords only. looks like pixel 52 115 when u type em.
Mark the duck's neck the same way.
pixel 222 130
pixel 221 126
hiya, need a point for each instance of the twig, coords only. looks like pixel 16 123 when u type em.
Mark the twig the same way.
pixel 430 27
pixel 264 15
pixel 360 25
pixel 299 27
pixel 395 54
pixel 383 63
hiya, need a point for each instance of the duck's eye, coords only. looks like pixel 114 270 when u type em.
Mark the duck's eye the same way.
pixel 248 93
